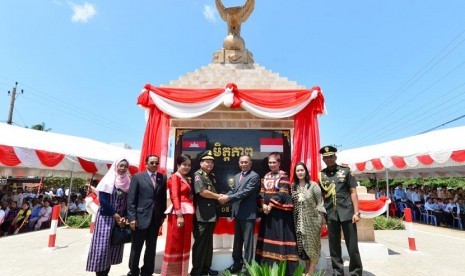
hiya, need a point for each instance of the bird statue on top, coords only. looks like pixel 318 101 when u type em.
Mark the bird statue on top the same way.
pixel 235 16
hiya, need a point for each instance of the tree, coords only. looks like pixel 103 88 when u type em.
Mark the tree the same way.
pixel 40 127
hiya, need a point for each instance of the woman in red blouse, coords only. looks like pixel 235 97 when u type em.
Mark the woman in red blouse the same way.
pixel 180 216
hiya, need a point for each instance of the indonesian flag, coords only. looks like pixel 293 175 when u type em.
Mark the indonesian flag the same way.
pixel 271 144
pixel 194 145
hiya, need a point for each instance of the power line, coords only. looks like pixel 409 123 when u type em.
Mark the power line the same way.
pixel 412 80
pixel 441 125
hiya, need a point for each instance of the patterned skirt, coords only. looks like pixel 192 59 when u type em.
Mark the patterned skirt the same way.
pixel 276 240
pixel 101 253
pixel 178 246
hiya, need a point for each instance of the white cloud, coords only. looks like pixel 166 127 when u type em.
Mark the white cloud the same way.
pixel 83 13
pixel 209 13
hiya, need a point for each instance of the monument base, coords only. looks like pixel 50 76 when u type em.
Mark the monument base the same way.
pixel 372 251
pixel 233 56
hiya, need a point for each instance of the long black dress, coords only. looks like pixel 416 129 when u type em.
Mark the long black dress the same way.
pixel 276 238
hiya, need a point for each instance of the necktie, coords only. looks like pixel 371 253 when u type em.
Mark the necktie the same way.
pixel 242 176
pixel 154 179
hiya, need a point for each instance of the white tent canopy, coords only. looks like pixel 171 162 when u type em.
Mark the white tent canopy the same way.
pixel 438 153
pixel 25 152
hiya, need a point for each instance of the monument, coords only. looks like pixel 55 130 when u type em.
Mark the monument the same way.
pixel 232 106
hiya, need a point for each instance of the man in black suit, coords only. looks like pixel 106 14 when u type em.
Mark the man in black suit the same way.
pixel 146 207
pixel 341 204
pixel 244 208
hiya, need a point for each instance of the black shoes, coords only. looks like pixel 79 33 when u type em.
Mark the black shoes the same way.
pixel 212 272
pixel 235 268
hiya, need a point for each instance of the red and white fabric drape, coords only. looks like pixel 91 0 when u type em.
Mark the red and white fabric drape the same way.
pixel 162 103
pixel 31 158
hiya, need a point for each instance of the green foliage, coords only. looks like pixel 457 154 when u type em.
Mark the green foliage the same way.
pixel 256 269
pixel 57 182
pixel 451 182
pixel 78 221
pixel 384 223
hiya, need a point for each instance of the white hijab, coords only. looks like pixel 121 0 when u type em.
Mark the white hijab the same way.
pixel 112 179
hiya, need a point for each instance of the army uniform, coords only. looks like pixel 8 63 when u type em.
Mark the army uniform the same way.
pixel 336 185
pixel 204 221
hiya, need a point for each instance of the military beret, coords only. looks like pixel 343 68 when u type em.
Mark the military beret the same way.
pixel 207 155
pixel 328 150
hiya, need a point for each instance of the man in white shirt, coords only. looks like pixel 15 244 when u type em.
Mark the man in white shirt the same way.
pixel 44 215
pixel 18 197
pixel 451 212
pixel 60 192
pixel 433 209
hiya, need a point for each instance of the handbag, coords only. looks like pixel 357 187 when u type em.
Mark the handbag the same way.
pixel 120 236
pixel 324 231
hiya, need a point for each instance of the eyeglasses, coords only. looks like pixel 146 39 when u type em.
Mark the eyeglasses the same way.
pixel 154 163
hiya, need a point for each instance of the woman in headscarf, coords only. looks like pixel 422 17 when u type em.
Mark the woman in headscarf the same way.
pixel 112 195
pixel 180 221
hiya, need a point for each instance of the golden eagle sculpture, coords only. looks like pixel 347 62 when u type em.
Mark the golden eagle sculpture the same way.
pixel 235 16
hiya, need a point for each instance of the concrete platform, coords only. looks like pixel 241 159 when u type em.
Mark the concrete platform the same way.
pixel 440 251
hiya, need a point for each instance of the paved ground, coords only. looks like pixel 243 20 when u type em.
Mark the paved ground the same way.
pixel 440 251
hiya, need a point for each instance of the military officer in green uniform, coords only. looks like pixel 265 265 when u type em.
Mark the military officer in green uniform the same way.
pixel 206 202
pixel 341 204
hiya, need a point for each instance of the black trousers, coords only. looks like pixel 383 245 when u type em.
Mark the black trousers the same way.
pixel 243 237
pixel 350 236
pixel 149 236
pixel 202 249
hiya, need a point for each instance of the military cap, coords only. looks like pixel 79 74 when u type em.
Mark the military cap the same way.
pixel 328 150
pixel 207 155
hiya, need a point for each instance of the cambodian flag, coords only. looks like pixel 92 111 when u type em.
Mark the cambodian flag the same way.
pixel 271 145
pixel 194 145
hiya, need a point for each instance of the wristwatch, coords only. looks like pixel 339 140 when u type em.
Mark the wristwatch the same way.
pixel 358 214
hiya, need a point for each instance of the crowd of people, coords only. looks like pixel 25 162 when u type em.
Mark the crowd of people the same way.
pixel 24 211
pixel 292 216
pixel 445 205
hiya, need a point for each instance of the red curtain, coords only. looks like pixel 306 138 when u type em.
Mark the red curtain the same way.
pixel 458 156
pixel 306 141
pixel 425 159
pixel 88 166
pixel 372 205
pixel 49 159
pixel 8 156
pixel 156 138
pixel 399 162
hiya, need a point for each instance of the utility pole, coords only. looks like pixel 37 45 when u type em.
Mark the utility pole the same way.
pixel 12 104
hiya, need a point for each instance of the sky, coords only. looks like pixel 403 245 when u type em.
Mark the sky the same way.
pixel 388 69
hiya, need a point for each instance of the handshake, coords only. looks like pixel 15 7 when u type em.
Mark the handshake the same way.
pixel 223 199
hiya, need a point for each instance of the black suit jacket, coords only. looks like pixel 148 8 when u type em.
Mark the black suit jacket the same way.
pixel 244 195
pixel 146 202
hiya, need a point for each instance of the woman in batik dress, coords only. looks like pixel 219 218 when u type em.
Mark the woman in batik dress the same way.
pixel 308 216
pixel 112 193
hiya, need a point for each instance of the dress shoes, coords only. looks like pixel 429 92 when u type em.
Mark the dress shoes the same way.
pixel 235 268
pixel 212 272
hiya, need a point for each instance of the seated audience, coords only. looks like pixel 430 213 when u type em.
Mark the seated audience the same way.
pixel 44 215
pixel 34 214
pixel 432 208
pixel 399 194
pixel 21 219
pixel 9 217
